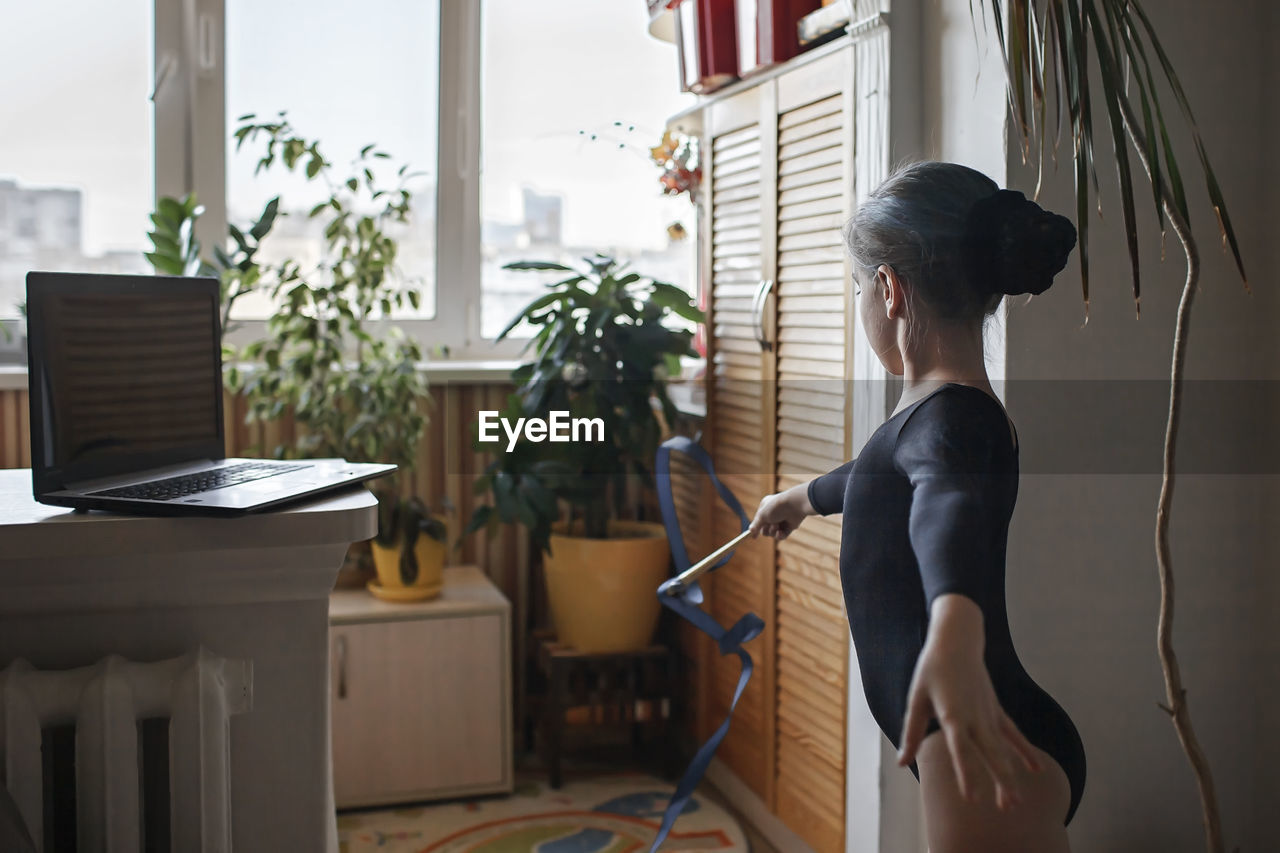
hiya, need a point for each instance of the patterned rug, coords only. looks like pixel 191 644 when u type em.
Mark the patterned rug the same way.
pixel 607 814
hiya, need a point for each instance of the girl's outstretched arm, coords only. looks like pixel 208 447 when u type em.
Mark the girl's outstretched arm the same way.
pixel 780 514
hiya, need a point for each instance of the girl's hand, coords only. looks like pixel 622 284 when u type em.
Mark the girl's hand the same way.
pixel 951 683
pixel 780 514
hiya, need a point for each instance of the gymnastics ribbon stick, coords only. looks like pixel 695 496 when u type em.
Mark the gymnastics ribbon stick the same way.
pixel 682 595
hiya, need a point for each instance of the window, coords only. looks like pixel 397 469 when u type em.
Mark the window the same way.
pixel 76 169
pixel 497 102
pixel 575 93
pixel 347 76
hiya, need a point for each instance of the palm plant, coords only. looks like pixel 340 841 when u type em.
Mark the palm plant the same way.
pixel 600 349
pixel 1047 44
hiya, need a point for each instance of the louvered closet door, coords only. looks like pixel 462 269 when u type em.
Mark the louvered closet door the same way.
pixel 815 144
pixel 740 425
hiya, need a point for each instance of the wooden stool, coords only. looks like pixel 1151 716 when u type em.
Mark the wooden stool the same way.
pixel 610 684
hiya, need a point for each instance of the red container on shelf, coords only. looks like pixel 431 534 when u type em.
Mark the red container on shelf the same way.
pixel 707 44
pixel 767 31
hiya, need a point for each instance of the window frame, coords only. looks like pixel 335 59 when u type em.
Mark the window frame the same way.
pixel 191 149
pixel 190 142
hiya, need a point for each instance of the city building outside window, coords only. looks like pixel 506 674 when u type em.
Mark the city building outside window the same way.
pixel 531 122
pixel 567 128
pixel 76 171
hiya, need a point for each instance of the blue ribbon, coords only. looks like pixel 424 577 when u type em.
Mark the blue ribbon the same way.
pixel 685 600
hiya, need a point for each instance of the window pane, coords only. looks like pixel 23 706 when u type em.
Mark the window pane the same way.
pixel 347 75
pixel 553 75
pixel 76 182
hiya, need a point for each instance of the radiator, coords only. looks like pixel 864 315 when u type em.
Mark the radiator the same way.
pixel 197 693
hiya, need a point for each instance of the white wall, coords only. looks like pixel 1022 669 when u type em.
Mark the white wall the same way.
pixel 1267 775
pixel 1082 581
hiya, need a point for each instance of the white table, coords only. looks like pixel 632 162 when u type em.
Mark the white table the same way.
pixel 76 587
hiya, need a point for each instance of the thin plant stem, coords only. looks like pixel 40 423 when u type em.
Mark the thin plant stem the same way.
pixel 1176 695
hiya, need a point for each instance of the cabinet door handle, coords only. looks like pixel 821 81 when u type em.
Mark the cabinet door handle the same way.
pixel 341 653
pixel 756 299
pixel 757 313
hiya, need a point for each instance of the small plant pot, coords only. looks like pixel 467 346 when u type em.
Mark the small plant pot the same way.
pixel 603 592
pixel 391 585
pixel 357 567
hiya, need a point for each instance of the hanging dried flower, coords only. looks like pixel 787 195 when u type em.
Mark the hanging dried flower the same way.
pixel 677 156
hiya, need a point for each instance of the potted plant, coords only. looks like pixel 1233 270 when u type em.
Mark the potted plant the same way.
pixel 600 354
pixel 409 551
pixel 331 357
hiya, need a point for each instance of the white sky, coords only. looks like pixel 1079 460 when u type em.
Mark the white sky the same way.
pixel 545 81
pixel 348 74
pixel 75 76
pixel 74 111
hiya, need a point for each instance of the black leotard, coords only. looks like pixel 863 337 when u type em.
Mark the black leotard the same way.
pixel 926 510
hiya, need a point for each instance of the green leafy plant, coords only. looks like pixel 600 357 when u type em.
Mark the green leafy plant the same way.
pixel 331 357
pixel 600 349
pixel 177 250
pixel 1046 48
pixel 400 523
pixel 22 314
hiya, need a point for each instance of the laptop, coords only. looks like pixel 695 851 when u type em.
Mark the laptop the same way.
pixel 125 376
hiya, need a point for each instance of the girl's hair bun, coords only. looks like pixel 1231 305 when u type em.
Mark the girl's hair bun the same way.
pixel 1014 246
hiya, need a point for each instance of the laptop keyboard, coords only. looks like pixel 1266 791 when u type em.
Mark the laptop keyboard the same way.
pixel 172 488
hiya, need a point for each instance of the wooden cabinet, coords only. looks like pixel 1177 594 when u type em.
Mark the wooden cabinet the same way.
pixel 813 325
pixel 740 401
pixel 779 186
pixel 421 694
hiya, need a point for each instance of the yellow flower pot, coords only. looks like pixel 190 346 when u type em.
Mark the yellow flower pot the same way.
pixel 603 592
pixel 390 585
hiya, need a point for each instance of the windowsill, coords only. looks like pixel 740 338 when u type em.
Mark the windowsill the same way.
pixel 688 394
pixel 471 372
pixel 13 377
pixel 689 397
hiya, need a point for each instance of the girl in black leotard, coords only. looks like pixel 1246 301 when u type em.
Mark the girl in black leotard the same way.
pixel 926 508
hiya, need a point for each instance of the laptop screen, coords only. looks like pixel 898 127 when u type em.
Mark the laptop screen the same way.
pixel 125 374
